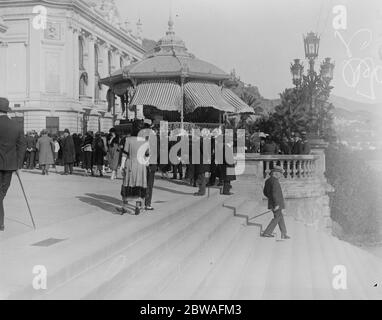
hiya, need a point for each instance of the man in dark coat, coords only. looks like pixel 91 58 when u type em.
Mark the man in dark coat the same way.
pixel 203 167
pixel 68 152
pixel 152 167
pixel 228 167
pixel 12 151
pixel 272 190
pixel 305 145
pixel 30 150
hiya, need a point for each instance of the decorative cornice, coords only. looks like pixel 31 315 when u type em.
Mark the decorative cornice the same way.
pixel 80 9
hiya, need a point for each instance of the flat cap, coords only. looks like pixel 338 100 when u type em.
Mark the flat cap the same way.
pixel 277 169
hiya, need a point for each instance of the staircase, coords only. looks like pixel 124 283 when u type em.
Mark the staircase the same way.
pixel 195 248
pixel 207 252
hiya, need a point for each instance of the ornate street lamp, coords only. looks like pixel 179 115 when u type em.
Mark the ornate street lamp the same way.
pixel 326 70
pixel 297 70
pixel 312 82
pixel 311 46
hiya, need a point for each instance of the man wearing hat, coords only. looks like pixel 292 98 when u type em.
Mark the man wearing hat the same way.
pixel 68 152
pixel 152 166
pixel 272 190
pixel 12 150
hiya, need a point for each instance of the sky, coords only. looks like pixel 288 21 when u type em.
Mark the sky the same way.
pixel 260 38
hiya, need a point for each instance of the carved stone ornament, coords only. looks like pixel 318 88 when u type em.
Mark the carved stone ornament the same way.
pixel 53 31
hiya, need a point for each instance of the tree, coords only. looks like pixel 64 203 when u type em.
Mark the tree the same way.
pixel 297 112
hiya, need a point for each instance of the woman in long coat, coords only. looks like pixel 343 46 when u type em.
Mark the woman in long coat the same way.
pixel 113 152
pixel 45 148
pixel 99 152
pixel 87 149
pixel 134 163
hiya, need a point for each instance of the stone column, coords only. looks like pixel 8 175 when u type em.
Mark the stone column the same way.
pixel 76 64
pixel 70 63
pixel 103 70
pixel 91 69
pixel 318 147
pixel 3 69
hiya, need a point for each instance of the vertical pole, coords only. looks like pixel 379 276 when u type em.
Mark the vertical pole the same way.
pixel 182 103
pixel 113 101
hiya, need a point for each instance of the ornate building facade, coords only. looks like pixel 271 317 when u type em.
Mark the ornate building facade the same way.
pixel 52 54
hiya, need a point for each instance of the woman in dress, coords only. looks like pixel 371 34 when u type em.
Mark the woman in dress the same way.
pixel 133 166
pixel 113 152
pixel 87 150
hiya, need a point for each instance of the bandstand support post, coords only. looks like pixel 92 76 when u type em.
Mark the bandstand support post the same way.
pixel 182 103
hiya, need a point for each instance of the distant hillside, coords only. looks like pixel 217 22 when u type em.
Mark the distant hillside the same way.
pixel 353 106
pixel 357 124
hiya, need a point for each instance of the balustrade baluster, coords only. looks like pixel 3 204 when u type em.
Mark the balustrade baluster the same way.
pixel 299 169
pixel 310 168
pixel 288 169
pixel 267 170
pixel 305 169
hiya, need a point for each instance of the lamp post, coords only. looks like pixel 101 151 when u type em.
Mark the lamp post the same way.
pixel 297 70
pixel 312 82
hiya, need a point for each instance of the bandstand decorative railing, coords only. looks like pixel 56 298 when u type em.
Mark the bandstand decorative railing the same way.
pixel 188 126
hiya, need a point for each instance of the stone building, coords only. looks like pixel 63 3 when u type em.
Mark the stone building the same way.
pixel 52 54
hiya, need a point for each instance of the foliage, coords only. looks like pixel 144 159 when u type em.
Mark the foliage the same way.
pixel 356 201
pixel 295 114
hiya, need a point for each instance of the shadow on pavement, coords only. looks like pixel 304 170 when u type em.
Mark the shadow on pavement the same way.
pixel 105 198
pixel 100 203
pixel 19 222
pixel 172 190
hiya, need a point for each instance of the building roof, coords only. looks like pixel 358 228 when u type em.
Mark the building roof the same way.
pixel 170 58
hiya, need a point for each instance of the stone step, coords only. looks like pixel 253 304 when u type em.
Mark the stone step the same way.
pixel 360 280
pixel 333 257
pixel 82 253
pixel 370 267
pixel 185 283
pixel 321 271
pixel 134 255
pixel 151 279
pixel 220 281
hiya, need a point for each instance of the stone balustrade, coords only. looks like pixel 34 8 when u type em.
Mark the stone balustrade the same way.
pixel 295 166
pixel 304 184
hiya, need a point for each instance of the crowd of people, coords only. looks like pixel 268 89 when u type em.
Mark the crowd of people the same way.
pixel 266 144
pixel 100 153
pixel 92 152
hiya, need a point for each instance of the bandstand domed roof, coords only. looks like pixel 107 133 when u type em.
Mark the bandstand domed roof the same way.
pixel 170 57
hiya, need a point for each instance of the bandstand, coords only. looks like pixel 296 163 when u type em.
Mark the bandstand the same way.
pixel 173 85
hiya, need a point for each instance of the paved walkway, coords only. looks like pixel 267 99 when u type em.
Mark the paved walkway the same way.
pixel 55 198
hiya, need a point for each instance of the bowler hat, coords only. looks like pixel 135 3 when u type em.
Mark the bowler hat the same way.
pixel 4 105
pixel 277 169
pixel 67 131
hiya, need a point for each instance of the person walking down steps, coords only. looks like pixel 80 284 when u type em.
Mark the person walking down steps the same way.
pixel 273 191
